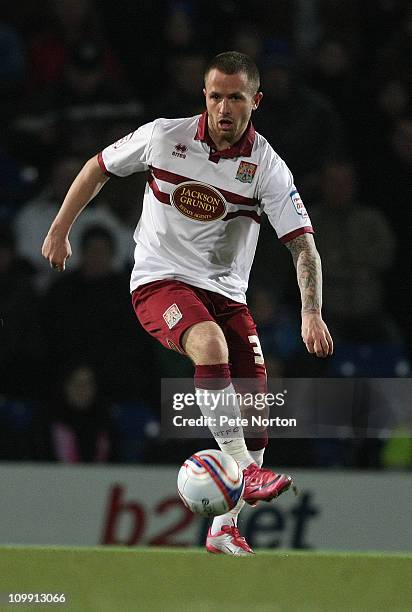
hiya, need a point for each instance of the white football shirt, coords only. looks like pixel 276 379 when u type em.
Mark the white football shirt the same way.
pixel 202 207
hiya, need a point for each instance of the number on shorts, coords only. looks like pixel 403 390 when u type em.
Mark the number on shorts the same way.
pixel 257 349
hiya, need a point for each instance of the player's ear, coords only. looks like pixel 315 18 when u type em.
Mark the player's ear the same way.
pixel 256 99
pixel 204 91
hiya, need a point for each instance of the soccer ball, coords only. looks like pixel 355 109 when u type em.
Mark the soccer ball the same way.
pixel 210 483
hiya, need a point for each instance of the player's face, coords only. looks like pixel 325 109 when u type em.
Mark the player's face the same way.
pixel 229 102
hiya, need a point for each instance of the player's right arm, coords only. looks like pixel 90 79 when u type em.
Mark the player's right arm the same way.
pixel 130 154
pixel 87 184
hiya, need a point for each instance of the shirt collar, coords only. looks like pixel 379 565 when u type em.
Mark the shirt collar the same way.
pixel 241 148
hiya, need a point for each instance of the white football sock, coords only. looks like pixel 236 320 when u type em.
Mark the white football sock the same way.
pixel 230 518
pixel 257 456
pixel 222 402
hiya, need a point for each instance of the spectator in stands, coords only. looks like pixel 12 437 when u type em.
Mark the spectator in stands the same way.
pixel 85 89
pixel 299 123
pixel 334 73
pixel 20 338
pixel 33 219
pixel 184 97
pixel 389 185
pixel 179 27
pixel 87 313
pixel 76 107
pixel 32 222
pixel 248 40
pixel 357 247
pixel 389 100
pixel 67 23
pixel 79 422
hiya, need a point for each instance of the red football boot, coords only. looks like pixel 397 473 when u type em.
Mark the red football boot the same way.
pixel 228 541
pixel 264 485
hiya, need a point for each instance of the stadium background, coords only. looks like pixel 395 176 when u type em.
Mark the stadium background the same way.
pixel 79 381
pixel 75 76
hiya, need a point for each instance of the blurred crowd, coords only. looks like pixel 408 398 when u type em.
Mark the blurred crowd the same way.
pixel 79 379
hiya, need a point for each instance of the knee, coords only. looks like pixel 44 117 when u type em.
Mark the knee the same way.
pixel 205 344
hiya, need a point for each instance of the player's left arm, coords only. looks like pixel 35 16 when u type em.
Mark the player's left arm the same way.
pixel 315 333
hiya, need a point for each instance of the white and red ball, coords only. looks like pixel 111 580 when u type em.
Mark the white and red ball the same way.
pixel 210 483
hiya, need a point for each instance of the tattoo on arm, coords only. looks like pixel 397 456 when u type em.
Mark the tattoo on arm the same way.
pixel 309 272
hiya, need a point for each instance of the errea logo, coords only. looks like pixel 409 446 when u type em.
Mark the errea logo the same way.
pixel 180 150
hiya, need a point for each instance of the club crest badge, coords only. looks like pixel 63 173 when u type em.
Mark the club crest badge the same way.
pixel 246 172
pixel 172 315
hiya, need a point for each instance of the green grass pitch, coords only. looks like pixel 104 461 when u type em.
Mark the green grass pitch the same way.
pixel 112 579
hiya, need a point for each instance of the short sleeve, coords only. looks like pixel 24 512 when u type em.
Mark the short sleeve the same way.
pixel 130 154
pixel 281 200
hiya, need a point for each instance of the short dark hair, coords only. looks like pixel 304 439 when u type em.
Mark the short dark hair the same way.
pixel 232 62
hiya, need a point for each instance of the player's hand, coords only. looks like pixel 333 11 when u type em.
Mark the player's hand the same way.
pixel 56 249
pixel 316 336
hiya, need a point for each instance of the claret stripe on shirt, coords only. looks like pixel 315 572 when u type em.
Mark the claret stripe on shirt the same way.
pixel 164 198
pixel 175 179
pixel 159 195
pixel 242 213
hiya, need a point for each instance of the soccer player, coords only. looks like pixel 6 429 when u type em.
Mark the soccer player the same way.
pixel 210 177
